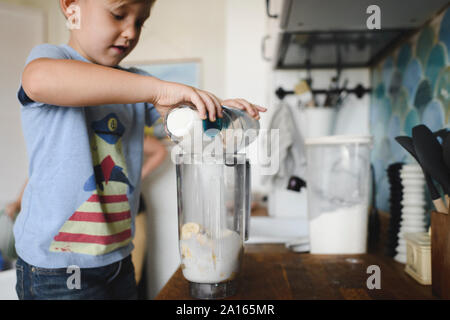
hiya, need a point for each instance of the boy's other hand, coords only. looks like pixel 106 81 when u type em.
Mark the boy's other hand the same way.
pixel 12 209
pixel 252 109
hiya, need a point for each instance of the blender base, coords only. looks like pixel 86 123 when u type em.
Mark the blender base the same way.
pixel 210 291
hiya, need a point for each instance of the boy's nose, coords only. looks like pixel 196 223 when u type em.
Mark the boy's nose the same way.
pixel 130 32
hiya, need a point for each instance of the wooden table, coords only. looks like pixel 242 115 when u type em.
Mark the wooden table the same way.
pixel 271 272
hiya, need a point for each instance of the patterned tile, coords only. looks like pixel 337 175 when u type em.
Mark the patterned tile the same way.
pixel 411 86
pixel 444 31
pixel 435 63
pixel 403 57
pixel 425 44
pixel 433 116
pixel 423 95
pixel 411 77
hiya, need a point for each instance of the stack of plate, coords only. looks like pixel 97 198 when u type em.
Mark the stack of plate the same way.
pixel 395 207
pixel 413 203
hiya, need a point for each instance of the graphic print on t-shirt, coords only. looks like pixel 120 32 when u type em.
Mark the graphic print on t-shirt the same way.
pixel 102 223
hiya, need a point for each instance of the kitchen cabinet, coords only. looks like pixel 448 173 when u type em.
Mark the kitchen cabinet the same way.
pixel 328 33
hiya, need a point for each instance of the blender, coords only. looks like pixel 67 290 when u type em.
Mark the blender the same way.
pixel 213 199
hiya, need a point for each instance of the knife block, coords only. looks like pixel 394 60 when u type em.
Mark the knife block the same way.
pixel 440 254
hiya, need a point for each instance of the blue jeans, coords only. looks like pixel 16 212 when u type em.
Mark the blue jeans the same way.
pixel 112 282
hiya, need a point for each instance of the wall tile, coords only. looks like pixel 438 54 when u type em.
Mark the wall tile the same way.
pixel 411 86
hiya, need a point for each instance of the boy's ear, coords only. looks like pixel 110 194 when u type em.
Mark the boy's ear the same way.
pixel 65 4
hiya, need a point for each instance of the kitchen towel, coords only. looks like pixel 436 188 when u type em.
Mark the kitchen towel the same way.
pixel 290 148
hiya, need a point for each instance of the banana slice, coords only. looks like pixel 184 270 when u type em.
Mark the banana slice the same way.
pixel 189 229
pixel 185 252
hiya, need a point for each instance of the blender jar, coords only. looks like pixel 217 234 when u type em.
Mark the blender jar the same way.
pixel 213 202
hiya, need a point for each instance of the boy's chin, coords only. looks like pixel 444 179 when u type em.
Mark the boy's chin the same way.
pixel 111 62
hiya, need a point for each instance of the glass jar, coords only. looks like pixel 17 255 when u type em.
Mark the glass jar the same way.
pixel 235 131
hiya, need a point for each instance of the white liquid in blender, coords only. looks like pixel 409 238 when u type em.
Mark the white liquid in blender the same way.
pixel 210 251
pixel 207 260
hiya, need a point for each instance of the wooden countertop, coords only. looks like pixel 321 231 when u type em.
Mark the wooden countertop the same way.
pixel 272 272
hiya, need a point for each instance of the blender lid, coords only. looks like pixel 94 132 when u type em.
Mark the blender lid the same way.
pixel 339 139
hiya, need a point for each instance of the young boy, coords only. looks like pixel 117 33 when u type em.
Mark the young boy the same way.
pixel 83 119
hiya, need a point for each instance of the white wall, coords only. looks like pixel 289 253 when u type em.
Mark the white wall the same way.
pixel 28 25
pixel 179 29
pixel 56 33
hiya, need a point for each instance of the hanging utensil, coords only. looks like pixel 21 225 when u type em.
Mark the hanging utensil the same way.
pixel 407 144
pixel 429 153
pixel 342 96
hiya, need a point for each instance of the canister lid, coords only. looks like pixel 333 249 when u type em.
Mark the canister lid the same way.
pixel 339 139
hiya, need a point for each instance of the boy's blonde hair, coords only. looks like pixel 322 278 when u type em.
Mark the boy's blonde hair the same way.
pixel 118 3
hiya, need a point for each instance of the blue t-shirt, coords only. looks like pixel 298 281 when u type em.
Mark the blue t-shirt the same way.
pixel 79 205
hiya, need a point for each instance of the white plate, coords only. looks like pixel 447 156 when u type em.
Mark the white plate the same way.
pixel 413 202
pixel 413 224
pixel 413 182
pixel 413 217
pixel 401 257
pixel 404 230
pixel 413 211
pixel 411 168
pixel 412 175
pixel 413 188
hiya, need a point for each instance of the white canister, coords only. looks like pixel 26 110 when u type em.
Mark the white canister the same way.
pixel 338 184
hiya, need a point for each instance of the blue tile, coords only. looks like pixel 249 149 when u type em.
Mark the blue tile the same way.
pixel 404 56
pixel 433 115
pixel 395 83
pixel 381 111
pixel 444 30
pixel 424 44
pixel 400 103
pixel 436 61
pixel 394 130
pixel 384 149
pixel 423 95
pixel 442 91
pixel 376 77
pixel 412 77
pixel 412 119
pixel 379 91
pixel 388 68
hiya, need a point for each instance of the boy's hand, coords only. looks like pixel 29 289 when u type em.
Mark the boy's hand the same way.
pixel 241 104
pixel 172 94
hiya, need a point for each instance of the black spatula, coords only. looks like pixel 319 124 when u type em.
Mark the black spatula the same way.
pixel 407 144
pixel 446 151
pixel 429 153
